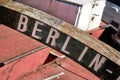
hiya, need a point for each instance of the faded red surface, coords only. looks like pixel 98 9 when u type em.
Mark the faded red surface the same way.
pixel 96 33
pixel 12 43
pixel 31 67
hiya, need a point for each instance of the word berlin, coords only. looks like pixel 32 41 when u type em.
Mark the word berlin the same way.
pixel 79 52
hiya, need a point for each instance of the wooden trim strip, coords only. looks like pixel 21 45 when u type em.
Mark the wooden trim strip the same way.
pixel 68 29
pixel 63 37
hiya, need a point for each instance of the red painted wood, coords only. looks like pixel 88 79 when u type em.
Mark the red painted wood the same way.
pixel 13 43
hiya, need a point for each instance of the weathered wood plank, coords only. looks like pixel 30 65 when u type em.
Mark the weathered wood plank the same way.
pixel 68 29
pixel 74 43
pixel 3 1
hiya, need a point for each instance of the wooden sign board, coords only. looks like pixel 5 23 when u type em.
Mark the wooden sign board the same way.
pixel 100 59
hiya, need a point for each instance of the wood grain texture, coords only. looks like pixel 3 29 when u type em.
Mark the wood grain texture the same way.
pixel 68 29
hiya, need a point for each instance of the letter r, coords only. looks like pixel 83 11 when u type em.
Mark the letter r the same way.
pixel 53 37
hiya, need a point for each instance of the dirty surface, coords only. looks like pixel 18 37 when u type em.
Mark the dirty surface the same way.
pixel 13 43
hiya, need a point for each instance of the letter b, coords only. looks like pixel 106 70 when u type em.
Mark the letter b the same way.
pixel 22 25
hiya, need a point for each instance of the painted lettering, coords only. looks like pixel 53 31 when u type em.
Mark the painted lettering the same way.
pixel 97 62
pixel 22 25
pixel 65 45
pixel 82 54
pixel 53 34
pixel 36 29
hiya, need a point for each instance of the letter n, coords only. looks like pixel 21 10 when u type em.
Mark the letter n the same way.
pixel 97 62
